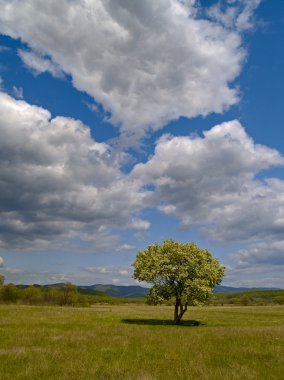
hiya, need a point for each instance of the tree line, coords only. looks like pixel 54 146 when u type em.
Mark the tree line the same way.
pixel 69 294
pixel 64 294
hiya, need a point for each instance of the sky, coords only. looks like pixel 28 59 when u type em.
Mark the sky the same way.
pixel 124 123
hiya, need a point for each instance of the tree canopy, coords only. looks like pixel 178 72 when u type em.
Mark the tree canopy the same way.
pixel 180 271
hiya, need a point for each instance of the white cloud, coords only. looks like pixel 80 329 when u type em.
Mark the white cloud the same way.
pixel 211 181
pixel 126 247
pixel 235 14
pixel 43 277
pixel 115 280
pixel 18 92
pixel 58 183
pixel 13 271
pixel 108 274
pixel 264 253
pixel 4 49
pixel 253 276
pixel 1 262
pixel 39 64
pixel 147 62
pixel 124 272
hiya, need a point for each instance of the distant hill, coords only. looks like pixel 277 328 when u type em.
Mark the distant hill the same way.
pixel 119 291
pixel 230 289
pixel 139 292
pixel 136 291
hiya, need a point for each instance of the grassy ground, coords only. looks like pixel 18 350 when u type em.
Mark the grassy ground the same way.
pixel 138 342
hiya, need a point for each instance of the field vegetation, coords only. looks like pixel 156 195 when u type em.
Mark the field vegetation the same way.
pixel 140 342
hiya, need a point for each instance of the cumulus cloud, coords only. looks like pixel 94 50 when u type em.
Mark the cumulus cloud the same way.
pixel 147 62
pixel 58 183
pixel 269 252
pixel 211 181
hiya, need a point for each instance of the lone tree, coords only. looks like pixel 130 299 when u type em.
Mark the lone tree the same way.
pixel 180 271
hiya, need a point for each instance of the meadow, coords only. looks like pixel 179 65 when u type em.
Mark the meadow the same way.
pixel 140 342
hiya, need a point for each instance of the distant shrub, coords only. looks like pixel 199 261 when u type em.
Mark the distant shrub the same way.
pixel 51 295
pixel 10 293
pixel 234 301
pixel 68 294
pixel 279 300
pixel 32 295
pixel 245 300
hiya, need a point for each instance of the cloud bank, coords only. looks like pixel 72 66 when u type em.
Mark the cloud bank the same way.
pixel 59 186
pixel 58 183
pixel 147 62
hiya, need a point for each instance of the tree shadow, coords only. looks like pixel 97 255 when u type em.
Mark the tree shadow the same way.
pixel 161 322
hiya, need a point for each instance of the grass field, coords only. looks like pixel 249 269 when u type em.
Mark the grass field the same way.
pixel 138 342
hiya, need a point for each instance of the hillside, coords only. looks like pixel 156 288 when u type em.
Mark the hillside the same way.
pixel 137 291
pixel 119 291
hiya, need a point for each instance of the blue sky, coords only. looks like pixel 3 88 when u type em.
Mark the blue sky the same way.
pixel 124 123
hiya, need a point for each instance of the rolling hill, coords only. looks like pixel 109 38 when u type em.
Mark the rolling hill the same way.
pixel 137 291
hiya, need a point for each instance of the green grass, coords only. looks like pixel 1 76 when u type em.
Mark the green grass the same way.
pixel 138 342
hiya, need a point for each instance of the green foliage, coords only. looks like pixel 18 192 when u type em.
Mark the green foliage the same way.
pixel 68 294
pixel 180 271
pixel 2 278
pixel 10 293
pixel 51 295
pixel 245 300
pixel 32 295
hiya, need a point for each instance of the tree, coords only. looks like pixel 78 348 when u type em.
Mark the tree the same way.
pixel 32 295
pixel 179 271
pixel 245 300
pixel 69 294
pixel 10 293
pixel 51 295
pixel 2 278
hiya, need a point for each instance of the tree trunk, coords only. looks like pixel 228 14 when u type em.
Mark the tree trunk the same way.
pixel 176 310
pixel 179 311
